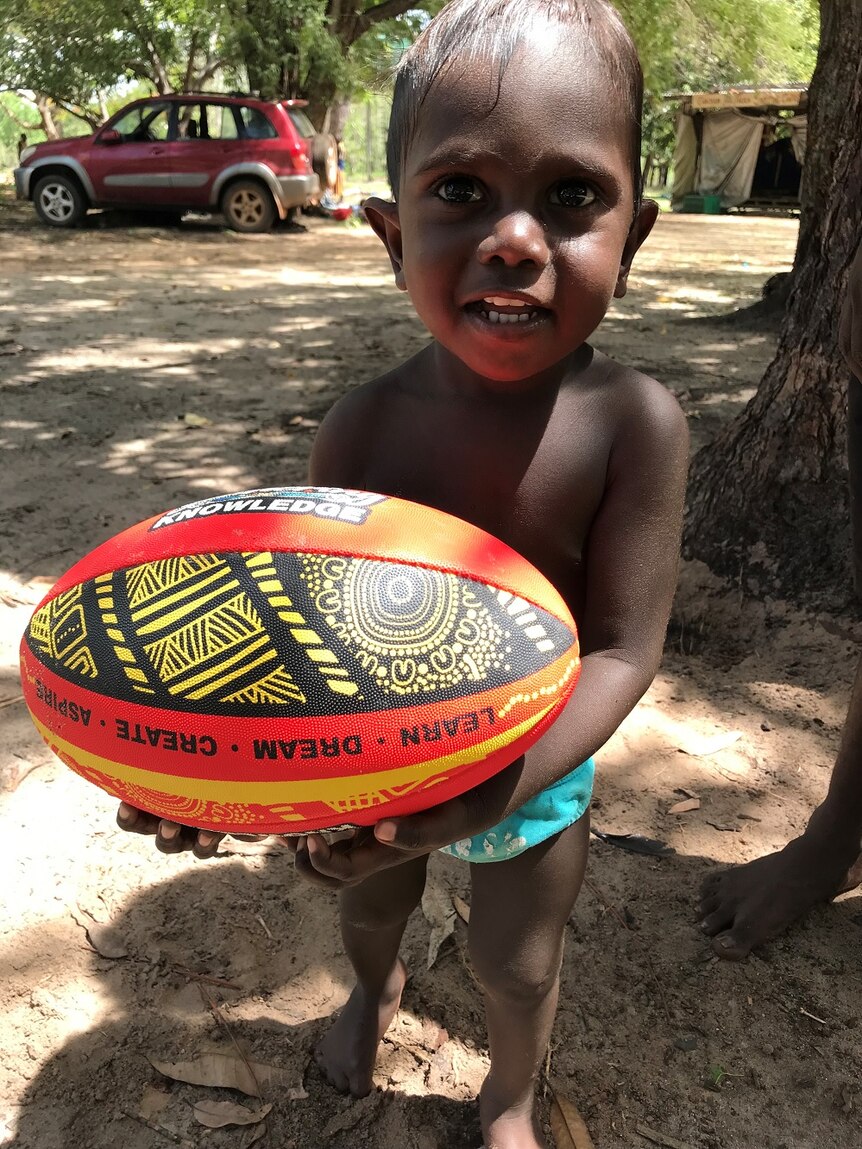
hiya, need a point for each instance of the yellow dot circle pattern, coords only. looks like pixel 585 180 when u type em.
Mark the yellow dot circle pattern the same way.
pixel 416 630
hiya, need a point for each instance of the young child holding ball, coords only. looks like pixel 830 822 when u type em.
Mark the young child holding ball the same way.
pixel 514 159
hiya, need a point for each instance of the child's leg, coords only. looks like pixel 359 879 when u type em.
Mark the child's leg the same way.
pixel 518 914
pixel 373 917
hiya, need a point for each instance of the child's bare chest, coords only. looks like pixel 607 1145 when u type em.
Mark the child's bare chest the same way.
pixel 521 475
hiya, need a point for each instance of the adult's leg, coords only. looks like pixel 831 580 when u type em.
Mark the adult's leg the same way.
pixel 373 916
pixel 518 916
pixel 747 905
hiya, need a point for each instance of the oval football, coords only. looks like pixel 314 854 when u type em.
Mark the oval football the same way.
pixel 295 659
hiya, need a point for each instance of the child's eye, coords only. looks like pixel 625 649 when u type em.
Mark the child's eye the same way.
pixel 457 189
pixel 573 193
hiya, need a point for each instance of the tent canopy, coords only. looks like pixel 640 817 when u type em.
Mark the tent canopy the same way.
pixel 745 146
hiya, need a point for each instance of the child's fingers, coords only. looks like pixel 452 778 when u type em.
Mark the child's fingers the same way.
pixel 206 844
pixel 430 830
pixel 172 838
pixel 136 821
pixel 307 867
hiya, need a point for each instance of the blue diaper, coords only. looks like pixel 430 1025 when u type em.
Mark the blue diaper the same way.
pixel 551 811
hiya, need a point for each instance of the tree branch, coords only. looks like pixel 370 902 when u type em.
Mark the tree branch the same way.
pixel 190 66
pixel 212 66
pixel 158 76
pixel 77 111
pixel 15 120
pixel 362 21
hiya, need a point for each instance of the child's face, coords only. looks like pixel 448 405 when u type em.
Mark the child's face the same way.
pixel 513 228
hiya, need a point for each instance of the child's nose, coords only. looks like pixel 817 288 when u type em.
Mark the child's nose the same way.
pixel 517 237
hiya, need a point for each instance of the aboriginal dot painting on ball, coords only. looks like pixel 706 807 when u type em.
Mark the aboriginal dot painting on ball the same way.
pixel 282 682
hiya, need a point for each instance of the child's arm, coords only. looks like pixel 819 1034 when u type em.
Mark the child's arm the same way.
pixel 631 563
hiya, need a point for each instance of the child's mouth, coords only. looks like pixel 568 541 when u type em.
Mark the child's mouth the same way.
pixel 506 312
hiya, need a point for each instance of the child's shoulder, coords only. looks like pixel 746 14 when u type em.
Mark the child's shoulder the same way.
pixel 362 402
pixel 340 445
pixel 634 402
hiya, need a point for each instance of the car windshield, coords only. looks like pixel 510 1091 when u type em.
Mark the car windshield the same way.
pixel 302 123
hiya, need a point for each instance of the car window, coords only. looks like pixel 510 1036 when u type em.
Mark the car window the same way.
pixel 190 123
pixel 143 123
pixel 301 122
pixel 220 121
pixel 255 124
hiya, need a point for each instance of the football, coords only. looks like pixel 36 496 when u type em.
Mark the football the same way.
pixel 296 659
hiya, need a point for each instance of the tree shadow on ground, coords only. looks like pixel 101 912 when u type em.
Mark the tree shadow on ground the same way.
pixel 628 993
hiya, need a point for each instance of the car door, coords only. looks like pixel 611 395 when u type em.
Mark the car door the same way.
pixel 136 168
pixel 205 141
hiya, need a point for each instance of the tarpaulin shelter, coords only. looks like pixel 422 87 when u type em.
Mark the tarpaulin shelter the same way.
pixel 739 148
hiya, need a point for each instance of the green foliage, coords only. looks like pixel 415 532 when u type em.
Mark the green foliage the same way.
pixel 76 50
pixel 280 42
pixel 365 138
pixel 697 45
pixel 700 44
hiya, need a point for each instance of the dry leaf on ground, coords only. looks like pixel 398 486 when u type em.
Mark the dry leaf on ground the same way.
pixel 227 1071
pixel 461 908
pixel 218 1114
pixel 568 1128
pixel 252 1135
pixel 439 913
pixel 685 807
pixel 635 843
pixel 703 747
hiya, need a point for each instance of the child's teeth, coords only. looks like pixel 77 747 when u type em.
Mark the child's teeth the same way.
pixel 502 317
pixel 497 301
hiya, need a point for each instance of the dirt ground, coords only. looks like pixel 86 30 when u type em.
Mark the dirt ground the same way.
pixel 143 367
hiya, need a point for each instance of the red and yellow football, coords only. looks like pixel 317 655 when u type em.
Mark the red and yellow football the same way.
pixel 295 659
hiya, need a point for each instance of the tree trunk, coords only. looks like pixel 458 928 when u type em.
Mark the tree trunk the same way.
pixel 768 500
pixel 43 105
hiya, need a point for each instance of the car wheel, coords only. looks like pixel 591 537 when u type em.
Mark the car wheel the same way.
pixel 324 160
pixel 59 201
pixel 248 207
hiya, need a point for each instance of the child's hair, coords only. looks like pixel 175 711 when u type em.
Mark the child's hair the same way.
pixel 469 30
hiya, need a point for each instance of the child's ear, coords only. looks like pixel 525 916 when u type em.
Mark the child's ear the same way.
pixel 383 217
pixel 640 229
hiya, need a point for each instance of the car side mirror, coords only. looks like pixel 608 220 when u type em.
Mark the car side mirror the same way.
pixel 111 136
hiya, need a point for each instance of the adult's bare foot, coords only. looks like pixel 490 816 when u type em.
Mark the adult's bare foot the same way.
pixel 348 1050
pixel 751 904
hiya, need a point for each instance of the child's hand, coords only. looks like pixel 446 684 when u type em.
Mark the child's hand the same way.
pixel 395 840
pixel 171 837
pixel 345 861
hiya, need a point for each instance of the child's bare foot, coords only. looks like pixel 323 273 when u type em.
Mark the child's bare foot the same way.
pixel 515 1127
pixel 348 1051
pixel 751 904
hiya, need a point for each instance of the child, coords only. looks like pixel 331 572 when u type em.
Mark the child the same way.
pixel 514 157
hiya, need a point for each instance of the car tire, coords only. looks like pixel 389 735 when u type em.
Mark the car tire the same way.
pixel 324 160
pixel 59 201
pixel 248 206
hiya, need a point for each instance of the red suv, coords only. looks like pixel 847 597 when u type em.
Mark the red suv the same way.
pixel 253 160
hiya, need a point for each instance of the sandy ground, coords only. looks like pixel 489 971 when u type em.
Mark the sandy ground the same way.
pixel 143 367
